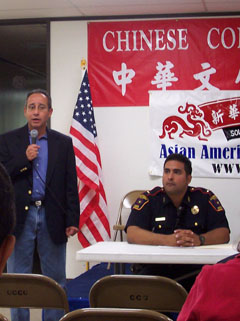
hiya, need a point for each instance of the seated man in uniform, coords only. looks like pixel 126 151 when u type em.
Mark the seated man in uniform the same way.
pixel 177 215
pixel 215 294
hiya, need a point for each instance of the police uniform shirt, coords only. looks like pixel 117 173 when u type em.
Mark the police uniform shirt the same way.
pixel 200 211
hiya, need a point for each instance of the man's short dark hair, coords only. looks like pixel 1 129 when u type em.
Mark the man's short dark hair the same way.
pixel 180 158
pixel 7 205
pixel 40 91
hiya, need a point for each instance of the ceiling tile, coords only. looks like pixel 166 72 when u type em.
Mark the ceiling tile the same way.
pixel 16 9
pixel 32 4
pixel 143 9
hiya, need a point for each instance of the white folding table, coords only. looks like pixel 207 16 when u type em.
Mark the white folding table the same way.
pixel 123 252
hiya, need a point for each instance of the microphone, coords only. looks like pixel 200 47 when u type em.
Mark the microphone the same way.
pixel 34 135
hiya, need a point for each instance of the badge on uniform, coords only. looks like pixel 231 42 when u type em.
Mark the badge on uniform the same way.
pixel 160 219
pixel 195 210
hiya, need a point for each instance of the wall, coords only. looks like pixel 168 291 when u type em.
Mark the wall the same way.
pixel 123 135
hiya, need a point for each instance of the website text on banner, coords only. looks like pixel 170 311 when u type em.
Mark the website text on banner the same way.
pixel 126 59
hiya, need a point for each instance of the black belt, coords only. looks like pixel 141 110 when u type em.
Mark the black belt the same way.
pixel 37 203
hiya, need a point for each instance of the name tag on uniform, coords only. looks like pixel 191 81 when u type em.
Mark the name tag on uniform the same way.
pixel 160 219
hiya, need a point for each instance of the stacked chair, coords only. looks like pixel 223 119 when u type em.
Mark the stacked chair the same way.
pixel 31 291
pixel 131 297
pixel 114 314
pixel 138 291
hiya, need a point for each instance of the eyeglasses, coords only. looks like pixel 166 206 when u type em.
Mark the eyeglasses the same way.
pixel 40 107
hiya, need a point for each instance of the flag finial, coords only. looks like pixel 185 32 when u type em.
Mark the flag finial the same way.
pixel 83 64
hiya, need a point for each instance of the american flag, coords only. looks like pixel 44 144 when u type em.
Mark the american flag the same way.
pixel 93 223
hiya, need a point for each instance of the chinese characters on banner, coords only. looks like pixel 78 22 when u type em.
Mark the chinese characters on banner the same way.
pixel 188 72
pixel 126 59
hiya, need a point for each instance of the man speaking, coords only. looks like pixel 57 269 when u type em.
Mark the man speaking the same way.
pixel 41 164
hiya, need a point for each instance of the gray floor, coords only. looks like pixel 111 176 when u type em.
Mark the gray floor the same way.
pixel 35 314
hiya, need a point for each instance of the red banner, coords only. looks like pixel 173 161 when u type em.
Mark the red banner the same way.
pixel 222 113
pixel 126 59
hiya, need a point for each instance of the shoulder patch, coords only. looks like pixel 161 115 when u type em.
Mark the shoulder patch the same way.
pixel 215 203
pixel 213 200
pixel 140 202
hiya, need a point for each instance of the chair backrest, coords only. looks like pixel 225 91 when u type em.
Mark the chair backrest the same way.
pixel 113 314
pixel 31 291
pixel 138 291
pixel 124 210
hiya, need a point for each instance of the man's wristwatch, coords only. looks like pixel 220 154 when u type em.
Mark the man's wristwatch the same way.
pixel 202 239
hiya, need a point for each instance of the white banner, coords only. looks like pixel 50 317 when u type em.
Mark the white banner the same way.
pixel 203 125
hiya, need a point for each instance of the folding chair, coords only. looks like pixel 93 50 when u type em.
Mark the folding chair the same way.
pixel 138 292
pixel 124 210
pixel 109 314
pixel 31 291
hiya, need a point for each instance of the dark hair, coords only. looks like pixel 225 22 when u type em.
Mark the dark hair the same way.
pixel 7 205
pixel 183 159
pixel 40 91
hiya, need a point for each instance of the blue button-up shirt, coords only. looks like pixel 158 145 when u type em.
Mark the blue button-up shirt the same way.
pixel 40 168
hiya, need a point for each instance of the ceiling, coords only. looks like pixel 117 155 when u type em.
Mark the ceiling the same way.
pixel 27 9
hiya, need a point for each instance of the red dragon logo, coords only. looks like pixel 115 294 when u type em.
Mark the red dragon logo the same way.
pixel 196 126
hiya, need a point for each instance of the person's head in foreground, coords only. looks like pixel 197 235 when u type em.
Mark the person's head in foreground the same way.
pixel 7 217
